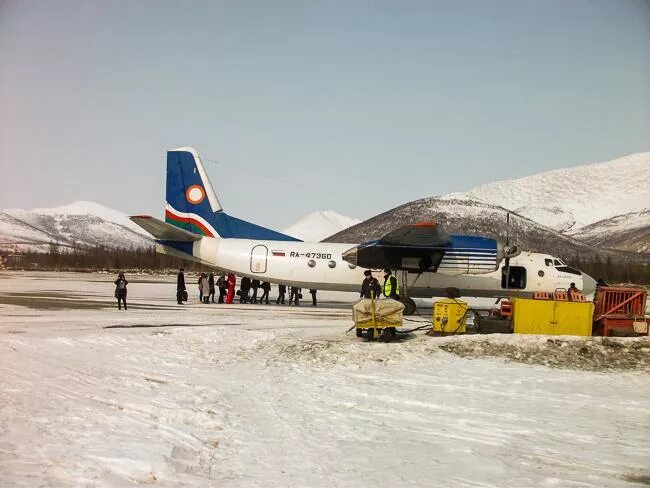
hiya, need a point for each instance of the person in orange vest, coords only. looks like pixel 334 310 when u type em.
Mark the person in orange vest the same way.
pixel 232 279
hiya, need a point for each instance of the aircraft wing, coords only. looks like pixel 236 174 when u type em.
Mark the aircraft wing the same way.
pixel 424 234
pixel 164 231
pixel 427 247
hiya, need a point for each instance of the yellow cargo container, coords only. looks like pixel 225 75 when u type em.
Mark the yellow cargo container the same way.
pixel 450 316
pixel 552 317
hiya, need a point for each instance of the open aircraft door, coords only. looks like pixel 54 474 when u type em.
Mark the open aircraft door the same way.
pixel 258 258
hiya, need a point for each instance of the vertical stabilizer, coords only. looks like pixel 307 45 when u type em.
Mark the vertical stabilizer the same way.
pixel 190 201
pixel 192 204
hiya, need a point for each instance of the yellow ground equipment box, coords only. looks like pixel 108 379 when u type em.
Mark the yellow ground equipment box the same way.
pixel 553 317
pixel 449 316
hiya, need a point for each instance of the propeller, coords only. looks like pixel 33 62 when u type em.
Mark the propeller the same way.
pixel 509 251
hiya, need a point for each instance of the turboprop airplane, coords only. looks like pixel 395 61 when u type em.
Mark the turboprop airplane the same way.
pixel 197 228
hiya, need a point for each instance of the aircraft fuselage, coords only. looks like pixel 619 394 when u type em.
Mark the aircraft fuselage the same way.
pixel 321 266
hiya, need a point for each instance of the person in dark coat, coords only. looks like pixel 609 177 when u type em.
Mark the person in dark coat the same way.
pixel 222 284
pixel 313 297
pixel 294 296
pixel 570 292
pixel 282 291
pixel 370 287
pixel 255 284
pixel 211 287
pixel 266 288
pixel 244 288
pixel 200 282
pixel 120 290
pixel 180 287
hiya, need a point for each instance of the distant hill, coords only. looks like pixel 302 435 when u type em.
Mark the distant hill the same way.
pixel 629 232
pixel 471 217
pixel 318 225
pixel 79 224
pixel 571 198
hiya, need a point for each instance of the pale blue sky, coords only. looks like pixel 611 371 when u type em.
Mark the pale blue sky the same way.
pixel 355 106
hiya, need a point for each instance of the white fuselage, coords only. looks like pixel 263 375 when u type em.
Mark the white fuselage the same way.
pixel 320 266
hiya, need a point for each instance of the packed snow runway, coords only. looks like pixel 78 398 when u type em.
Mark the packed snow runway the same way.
pixel 257 395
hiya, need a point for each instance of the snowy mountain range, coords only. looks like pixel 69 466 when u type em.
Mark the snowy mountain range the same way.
pixel 79 224
pixel 568 211
pixel 572 198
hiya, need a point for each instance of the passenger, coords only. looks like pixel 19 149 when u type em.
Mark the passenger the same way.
pixel 232 279
pixel 599 284
pixel 255 284
pixel 244 289
pixel 313 297
pixel 222 284
pixel 205 288
pixel 370 287
pixel 294 296
pixel 266 288
pixel 120 290
pixel 211 287
pixel 180 287
pixel 199 282
pixel 282 291
pixel 391 288
pixel 572 289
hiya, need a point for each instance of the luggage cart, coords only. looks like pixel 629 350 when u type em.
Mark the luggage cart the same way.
pixel 377 319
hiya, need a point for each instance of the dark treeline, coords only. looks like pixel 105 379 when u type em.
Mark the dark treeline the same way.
pixel 102 258
pixel 629 271
pixel 111 259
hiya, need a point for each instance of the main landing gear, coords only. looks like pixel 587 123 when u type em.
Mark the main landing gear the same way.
pixel 409 305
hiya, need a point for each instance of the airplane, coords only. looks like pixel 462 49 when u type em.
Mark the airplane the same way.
pixel 197 228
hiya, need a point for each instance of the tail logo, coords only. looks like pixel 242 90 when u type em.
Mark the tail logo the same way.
pixel 195 194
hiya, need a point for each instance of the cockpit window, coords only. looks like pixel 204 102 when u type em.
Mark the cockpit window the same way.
pixel 548 262
pixel 569 269
pixel 557 262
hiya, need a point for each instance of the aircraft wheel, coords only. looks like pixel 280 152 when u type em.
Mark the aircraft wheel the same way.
pixel 409 305
pixel 389 334
pixel 359 332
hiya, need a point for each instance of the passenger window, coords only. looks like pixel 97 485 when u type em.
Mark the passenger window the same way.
pixel 515 277
pixel 548 262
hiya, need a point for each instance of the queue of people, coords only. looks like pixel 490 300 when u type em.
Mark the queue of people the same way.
pixel 248 289
pixel 247 293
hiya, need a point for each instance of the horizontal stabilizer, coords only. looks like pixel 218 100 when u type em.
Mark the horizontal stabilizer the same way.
pixel 164 231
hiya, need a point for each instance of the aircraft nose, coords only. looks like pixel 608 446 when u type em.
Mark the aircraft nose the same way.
pixel 588 284
pixel 350 256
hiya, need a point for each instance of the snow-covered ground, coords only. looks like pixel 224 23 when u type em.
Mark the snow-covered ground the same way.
pixel 251 395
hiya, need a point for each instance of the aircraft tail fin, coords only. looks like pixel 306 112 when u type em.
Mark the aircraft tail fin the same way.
pixel 192 204
pixel 190 199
